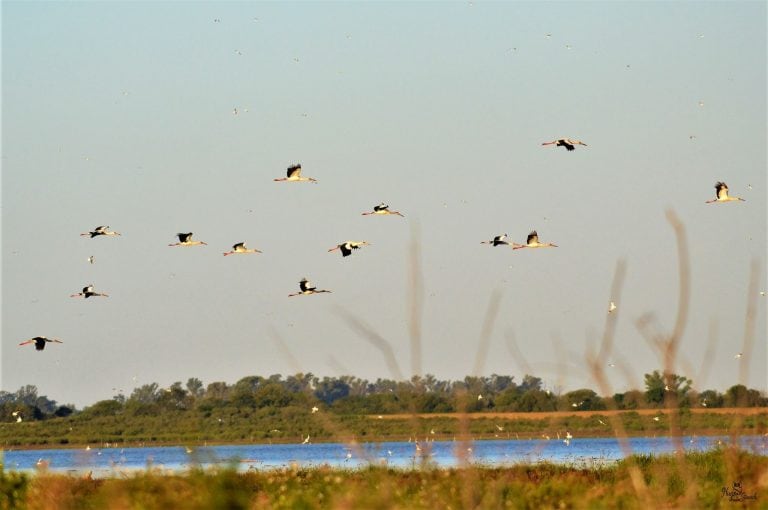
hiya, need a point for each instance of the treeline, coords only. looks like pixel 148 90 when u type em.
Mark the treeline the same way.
pixel 348 395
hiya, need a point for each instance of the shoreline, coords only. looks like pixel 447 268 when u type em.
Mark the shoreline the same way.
pixel 553 416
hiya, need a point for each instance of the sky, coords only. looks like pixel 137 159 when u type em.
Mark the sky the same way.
pixel 123 114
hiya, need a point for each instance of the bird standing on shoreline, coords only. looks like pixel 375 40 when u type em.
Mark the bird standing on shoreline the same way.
pixel 533 242
pixel 186 240
pixel 240 248
pixel 40 342
pixel 306 289
pixel 721 194
pixel 293 174
pixel 102 230
pixel 347 247
pixel 88 292
pixel 568 143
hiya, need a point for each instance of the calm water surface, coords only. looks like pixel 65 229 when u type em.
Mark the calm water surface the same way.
pixel 580 452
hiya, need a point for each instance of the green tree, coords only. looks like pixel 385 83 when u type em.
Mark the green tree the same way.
pixel 740 396
pixel 582 400
pixel 659 386
pixel 102 408
pixel 330 389
pixel 711 398
pixel 146 394
pixel 195 387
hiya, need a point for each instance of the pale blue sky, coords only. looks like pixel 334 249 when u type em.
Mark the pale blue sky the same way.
pixel 121 114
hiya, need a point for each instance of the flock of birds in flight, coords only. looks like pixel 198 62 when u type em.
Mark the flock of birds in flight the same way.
pixel 293 174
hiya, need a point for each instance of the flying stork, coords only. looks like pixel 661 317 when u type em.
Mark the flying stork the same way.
pixel 496 241
pixel 568 143
pixel 102 230
pixel 88 292
pixel 186 240
pixel 347 247
pixel 240 248
pixel 533 242
pixel 721 193
pixel 306 289
pixel 382 209
pixel 294 174
pixel 40 342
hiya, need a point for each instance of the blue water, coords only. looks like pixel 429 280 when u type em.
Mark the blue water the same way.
pixel 588 452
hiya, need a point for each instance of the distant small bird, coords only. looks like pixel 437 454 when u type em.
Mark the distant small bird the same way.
pixel 533 242
pixel 294 174
pixel 497 241
pixel 240 248
pixel 381 210
pixel 91 259
pixel 315 409
pixel 656 418
pixel 102 230
pixel 17 414
pixel 88 292
pixel 568 143
pixel 186 240
pixel 721 194
pixel 306 440
pixel 306 289
pixel 40 342
pixel 479 397
pixel 611 307
pixel 739 355
pixel 347 247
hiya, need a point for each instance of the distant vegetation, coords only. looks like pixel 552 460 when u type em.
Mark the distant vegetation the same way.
pixel 275 408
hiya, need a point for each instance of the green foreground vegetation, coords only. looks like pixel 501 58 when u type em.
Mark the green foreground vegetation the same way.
pixel 724 478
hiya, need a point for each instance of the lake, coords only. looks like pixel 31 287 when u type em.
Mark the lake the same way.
pixel 587 452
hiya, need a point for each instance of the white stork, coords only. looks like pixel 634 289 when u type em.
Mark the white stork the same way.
pixel 496 241
pixel 382 209
pixel 186 240
pixel 568 143
pixel 240 248
pixel 306 288
pixel 293 174
pixel 721 194
pixel 102 230
pixel 533 242
pixel 88 292
pixel 347 247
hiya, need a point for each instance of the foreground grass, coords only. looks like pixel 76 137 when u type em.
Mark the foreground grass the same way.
pixel 695 480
